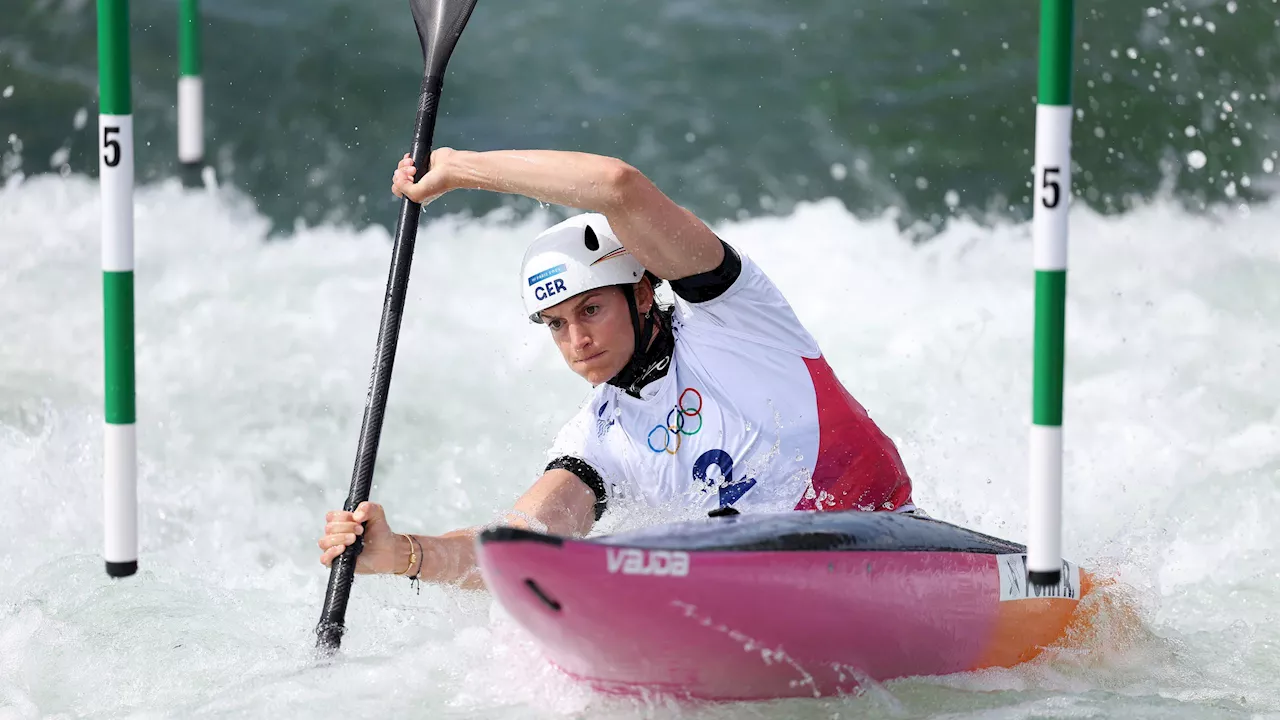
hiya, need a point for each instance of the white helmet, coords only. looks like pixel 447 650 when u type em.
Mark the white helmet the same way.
pixel 575 256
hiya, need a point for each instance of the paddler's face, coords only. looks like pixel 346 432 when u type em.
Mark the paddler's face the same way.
pixel 594 332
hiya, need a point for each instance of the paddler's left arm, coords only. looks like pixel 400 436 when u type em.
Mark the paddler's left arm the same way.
pixel 558 503
pixel 667 239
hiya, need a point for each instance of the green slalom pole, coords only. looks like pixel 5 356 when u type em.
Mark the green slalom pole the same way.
pixel 115 166
pixel 1049 235
pixel 190 85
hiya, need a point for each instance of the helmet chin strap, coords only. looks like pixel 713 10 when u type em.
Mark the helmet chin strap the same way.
pixel 653 351
pixel 642 335
pixel 633 373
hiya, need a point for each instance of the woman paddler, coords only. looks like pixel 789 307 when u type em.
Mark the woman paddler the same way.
pixel 723 400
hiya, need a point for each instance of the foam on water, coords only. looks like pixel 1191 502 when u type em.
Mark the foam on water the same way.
pixel 253 359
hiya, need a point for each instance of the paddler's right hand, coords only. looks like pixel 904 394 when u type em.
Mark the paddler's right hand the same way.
pixel 435 182
pixel 383 549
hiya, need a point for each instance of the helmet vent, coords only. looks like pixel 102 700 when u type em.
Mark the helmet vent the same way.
pixel 590 240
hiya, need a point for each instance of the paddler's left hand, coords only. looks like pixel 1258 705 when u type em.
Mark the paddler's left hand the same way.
pixel 433 184
pixel 384 551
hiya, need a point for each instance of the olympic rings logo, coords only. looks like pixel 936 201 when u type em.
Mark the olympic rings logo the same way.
pixel 678 423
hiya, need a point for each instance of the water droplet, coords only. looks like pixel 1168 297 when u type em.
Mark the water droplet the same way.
pixel 59 157
pixel 839 171
pixel 952 198
pixel 8 91
pixel 81 118
pixel 1196 159
pixel 1190 131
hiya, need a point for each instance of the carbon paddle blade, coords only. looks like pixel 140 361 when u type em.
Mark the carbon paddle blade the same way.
pixel 440 24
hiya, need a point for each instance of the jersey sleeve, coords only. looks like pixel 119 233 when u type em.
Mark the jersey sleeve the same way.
pixel 739 299
pixel 577 448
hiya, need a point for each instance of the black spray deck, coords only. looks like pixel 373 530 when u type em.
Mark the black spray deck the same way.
pixel 792 531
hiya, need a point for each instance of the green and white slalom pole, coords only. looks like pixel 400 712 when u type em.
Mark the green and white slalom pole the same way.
pixel 1049 229
pixel 190 85
pixel 115 166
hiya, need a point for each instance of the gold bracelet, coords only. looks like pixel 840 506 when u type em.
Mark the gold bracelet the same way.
pixel 421 556
pixel 413 555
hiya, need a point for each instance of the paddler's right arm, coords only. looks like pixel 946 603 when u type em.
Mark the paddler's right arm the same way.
pixel 558 503
pixel 667 239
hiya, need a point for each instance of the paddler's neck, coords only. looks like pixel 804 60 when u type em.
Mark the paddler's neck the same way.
pixel 653 363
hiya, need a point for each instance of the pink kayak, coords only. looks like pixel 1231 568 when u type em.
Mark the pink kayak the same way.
pixel 776 605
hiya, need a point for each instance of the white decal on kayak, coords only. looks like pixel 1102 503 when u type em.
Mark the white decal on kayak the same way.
pixel 630 561
pixel 1014 585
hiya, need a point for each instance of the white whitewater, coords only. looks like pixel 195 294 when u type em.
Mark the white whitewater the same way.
pixel 253 360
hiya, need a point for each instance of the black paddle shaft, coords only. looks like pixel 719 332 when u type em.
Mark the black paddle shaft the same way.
pixel 439 23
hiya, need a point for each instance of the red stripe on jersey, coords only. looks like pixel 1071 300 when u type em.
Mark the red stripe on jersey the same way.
pixel 858 466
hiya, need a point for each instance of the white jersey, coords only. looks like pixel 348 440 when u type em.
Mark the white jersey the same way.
pixel 748 415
